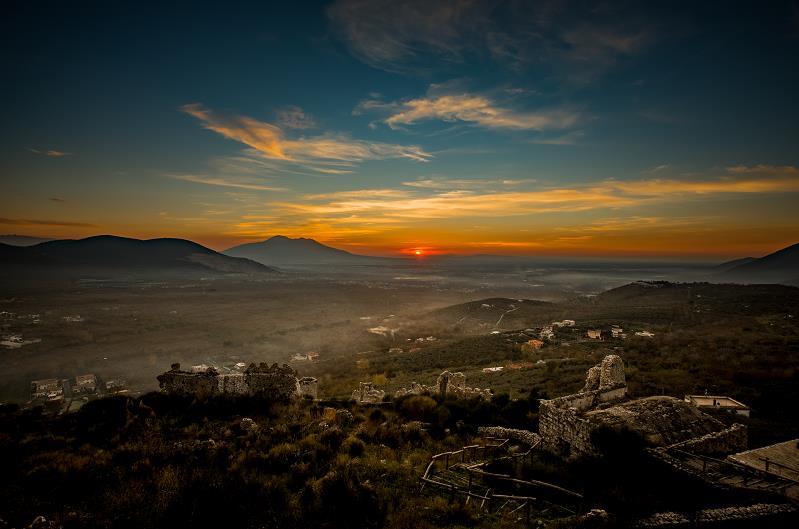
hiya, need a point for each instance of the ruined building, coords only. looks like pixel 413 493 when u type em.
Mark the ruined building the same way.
pixel 278 382
pixel 367 394
pixel 307 387
pixel 567 424
pixel 447 384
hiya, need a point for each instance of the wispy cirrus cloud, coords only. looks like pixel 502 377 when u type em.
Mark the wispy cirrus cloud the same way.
pixel 271 142
pixel 293 117
pixel 573 40
pixel 443 103
pixel 479 110
pixel 543 217
pixel 270 152
pixel 50 153
pixel 225 182
pixel 772 171
pixel 570 138
pixel 45 222
pixel 464 183
pixel 641 223
pixel 419 204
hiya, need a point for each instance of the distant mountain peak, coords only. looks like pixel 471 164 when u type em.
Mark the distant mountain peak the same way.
pixel 282 250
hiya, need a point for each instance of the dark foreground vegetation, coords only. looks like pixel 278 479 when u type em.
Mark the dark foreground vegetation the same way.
pixel 168 461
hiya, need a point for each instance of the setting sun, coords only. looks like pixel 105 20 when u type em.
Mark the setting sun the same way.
pixel 418 252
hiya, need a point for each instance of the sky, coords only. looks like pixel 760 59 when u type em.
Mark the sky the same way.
pixel 629 129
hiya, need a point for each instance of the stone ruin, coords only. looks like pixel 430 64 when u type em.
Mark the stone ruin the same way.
pixel 447 384
pixel 567 424
pixel 367 394
pixel 606 375
pixel 307 387
pixel 278 382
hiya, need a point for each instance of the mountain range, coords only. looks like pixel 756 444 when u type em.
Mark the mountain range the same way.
pixel 111 254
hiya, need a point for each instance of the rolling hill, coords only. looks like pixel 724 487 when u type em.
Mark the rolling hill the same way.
pixel 282 251
pixel 108 253
pixel 493 313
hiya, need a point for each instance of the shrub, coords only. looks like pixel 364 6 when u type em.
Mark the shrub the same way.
pixel 354 446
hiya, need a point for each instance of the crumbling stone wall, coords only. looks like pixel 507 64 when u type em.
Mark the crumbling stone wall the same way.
pixel 307 387
pixel 766 514
pixel 726 441
pixel 367 394
pixel 563 431
pixel 563 428
pixel 607 374
pixel 278 382
pixel 561 425
pixel 183 382
pixel 448 383
pixel 232 384
pixel 524 436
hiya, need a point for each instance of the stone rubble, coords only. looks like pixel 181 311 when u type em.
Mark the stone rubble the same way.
pixel 719 516
pixel 524 436
pixel 447 384
pixel 367 394
pixel 248 425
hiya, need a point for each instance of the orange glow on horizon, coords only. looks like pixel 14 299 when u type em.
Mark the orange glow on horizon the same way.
pixel 417 251
pixel 590 240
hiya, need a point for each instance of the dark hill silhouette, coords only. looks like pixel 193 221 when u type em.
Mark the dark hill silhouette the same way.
pixel 781 266
pixel 22 240
pixel 691 300
pixel 17 256
pixel 121 254
pixel 729 265
pixel 281 250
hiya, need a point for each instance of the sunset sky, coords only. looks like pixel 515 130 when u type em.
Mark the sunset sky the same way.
pixel 542 128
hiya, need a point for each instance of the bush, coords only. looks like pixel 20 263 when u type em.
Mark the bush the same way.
pixel 418 407
pixel 354 446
